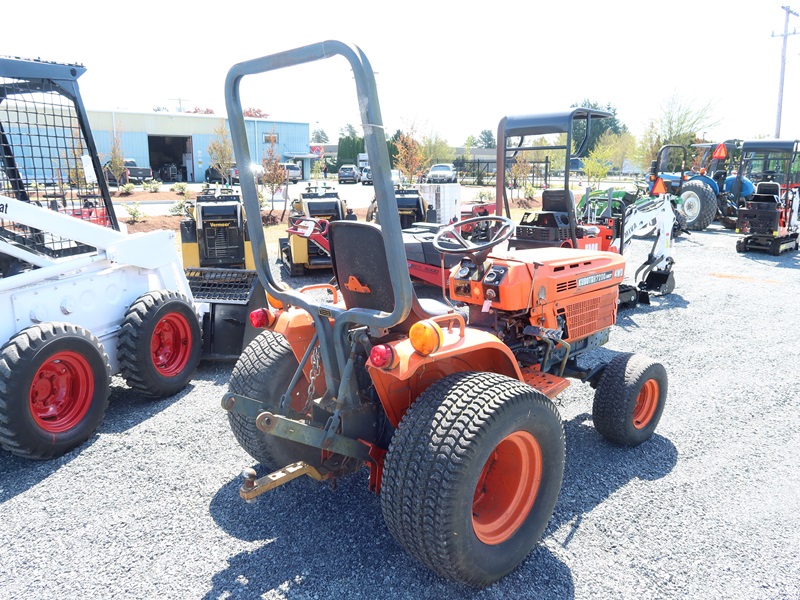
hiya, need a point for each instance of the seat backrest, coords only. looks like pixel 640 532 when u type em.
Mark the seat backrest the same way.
pixel 360 265
pixel 768 188
pixel 558 201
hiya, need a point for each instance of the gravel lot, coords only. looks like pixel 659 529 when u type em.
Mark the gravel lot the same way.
pixel 708 508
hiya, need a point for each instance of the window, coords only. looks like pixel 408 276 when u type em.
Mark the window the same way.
pixel 270 138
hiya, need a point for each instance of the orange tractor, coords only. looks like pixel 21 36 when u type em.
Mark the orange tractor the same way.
pixel 449 406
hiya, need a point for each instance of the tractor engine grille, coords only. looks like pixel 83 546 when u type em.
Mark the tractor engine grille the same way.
pixel 221 240
pixel 586 317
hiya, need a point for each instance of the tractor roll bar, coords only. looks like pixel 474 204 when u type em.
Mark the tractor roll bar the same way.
pixel 540 124
pixel 377 150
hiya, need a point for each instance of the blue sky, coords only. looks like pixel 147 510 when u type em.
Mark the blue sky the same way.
pixel 450 68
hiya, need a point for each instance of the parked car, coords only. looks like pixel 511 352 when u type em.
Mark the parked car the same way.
pixel 397 177
pixel 366 176
pixel 293 172
pixel 442 173
pixel 213 175
pixel 349 173
pixel 132 174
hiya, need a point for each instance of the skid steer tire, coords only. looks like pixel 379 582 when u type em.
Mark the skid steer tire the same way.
pixel 699 205
pixel 264 372
pixel 54 387
pixel 472 475
pixel 629 399
pixel 160 343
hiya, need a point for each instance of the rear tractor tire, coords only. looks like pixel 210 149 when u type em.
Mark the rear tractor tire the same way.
pixel 54 387
pixel 472 475
pixel 264 372
pixel 629 399
pixel 698 205
pixel 160 343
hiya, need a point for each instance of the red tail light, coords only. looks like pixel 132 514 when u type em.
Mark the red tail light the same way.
pixel 261 318
pixel 381 356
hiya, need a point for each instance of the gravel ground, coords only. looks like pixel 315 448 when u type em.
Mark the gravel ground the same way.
pixel 705 509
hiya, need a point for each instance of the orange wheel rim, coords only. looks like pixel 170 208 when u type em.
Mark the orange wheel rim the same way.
pixel 507 488
pixel 646 404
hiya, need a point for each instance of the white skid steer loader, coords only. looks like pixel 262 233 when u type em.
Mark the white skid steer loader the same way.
pixel 81 301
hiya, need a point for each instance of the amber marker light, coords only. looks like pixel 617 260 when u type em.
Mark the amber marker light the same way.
pixel 381 356
pixel 261 318
pixel 274 303
pixel 426 337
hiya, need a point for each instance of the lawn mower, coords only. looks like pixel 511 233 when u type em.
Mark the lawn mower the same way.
pixel 769 219
pixel 455 421
pixel 306 245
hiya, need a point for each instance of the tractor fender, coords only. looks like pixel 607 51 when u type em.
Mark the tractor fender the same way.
pixel 411 373
pixel 748 188
pixel 706 179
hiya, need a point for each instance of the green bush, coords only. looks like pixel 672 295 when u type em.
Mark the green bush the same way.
pixel 154 185
pixel 485 196
pixel 135 213
pixel 179 208
pixel 126 189
pixel 180 187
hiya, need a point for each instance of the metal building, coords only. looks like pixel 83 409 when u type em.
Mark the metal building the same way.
pixel 157 139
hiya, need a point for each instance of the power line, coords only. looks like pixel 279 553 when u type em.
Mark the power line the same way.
pixel 784 35
pixel 182 100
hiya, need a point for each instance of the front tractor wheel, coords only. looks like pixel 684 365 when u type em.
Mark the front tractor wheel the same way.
pixel 629 399
pixel 472 475
pixel 160 343
pixel 54 388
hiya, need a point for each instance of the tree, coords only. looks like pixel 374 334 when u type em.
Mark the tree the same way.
pixel 220 151
pixel 411 159
pixel 200 111
pixel 349 149
pixel 116 159
pixel 648 144
pixel 598 163
pixel 437 150
pixel 599 126
pixel 273 175
pixel 255 113
pixel 680 121
pixel 348 131
pixel 520 169
pixel 486 139
pixel 318 136
pixel 160 109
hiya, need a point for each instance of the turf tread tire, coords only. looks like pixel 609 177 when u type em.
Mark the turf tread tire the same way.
pixel 263 372
pixel 616 394
pixel 19 435
pixel 430 467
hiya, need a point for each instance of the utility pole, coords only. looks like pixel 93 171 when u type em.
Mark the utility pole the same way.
pixel 785 35
pixel 182 100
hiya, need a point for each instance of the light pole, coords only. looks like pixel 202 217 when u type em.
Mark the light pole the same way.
pixel 784 35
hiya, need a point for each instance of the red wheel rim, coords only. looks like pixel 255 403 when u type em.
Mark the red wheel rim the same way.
pixel 646 404
pixel 171 344
pixel 507 488
pixel 61 392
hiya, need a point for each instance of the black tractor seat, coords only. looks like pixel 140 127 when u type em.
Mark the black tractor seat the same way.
pixel 361 267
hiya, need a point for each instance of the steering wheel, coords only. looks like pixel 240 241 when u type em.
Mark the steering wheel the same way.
pixel 450 233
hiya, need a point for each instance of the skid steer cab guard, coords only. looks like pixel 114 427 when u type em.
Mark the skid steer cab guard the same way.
pixel 375 376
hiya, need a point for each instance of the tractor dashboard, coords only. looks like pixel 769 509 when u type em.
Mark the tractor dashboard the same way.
pixel 523 279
